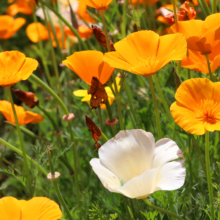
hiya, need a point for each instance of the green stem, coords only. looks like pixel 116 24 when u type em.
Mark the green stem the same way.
pixel 209 67
pixel 162 210
pixel 21 139
pixel 53 57
pixel 21 154
pixel 208 175
pixel 117 99
pixel 109 112
pixel 174 9
pixel 100 119
pixel 66 23
pixel 189 74
pixel 38 81
pixel 105 29
pixel 205 7
pixel 124 19
pixel 214 6
pixel 104 137
pixel 59 195
pixel 155 107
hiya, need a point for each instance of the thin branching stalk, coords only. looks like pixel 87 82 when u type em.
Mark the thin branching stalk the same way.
pixel 209 67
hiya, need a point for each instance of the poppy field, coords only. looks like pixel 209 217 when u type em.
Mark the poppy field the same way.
pixel 109 110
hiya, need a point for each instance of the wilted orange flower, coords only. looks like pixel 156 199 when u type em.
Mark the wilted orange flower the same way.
pixel 36 208
pixel 21 6
pixel 37 32
pixel 183 14
pixel 196 61
pixel 9 26
pixel 98 4
pixel 24 117
pixel 197 108
pixel 88 64
pixel 145 52
pixel 14 67
pixel 200 35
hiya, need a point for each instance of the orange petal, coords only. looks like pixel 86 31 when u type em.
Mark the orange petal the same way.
pixel 36 32
pixel 10 209
pixel 88 64
pixel 185 118
pixel 98 4
pixel 41 208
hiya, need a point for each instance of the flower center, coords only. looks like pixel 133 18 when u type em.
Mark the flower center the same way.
pixel 209 111
pixel 148 61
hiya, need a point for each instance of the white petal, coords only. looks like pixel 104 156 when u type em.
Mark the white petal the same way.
pixel 171 176
pixel 128 154
pixel 140 186
pixel 108 179
pixel 165 151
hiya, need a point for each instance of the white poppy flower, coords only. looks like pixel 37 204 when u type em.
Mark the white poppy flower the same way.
pixel 134 165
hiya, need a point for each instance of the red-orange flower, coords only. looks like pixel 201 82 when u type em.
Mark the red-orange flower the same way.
pixel 202 36
pixel 40 208
pixel 21 6
pixel 84 31
pixel 24 117
pixel 14 67
pixel 197 108
pixel 9 26
pixel 37 32
pixel 196 61
pixel 145 52
pixel 89 64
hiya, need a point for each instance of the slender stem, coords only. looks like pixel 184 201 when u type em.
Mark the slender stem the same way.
pixel 21 139
pixel 38 81
pixel 105 29
pixel 124 18
pixel 208 175
pixel 109 111
pixel 214 6
pixel 54 181
pixel 117 99
pixel 189 74
pixel 53 57
pixel 209 67
pixel 162 210
pixel 174 9
pixel 104 137
pixel 21 154
pixel 205 7
pixel 155 107
pixel 100 119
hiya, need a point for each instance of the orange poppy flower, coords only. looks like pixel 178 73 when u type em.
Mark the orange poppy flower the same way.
pixel 197 108
pixel 14 67
pixel 21 6
pixel 37 32
pixel 24 117
pixel 9 26
pixel 84 31
pixel 98 4
pixel 145 52
pixel 200 35
pixel 36 208
pixel 88 64
pixel 196 61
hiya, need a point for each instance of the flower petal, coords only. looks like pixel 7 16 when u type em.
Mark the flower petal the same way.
pixel 80 93
pixel 41 208
pixel 10 209
pixel 171 176
pixel 165 151
pixel 140 186
pixel 130 153
pixel 108 179
pixel 28 67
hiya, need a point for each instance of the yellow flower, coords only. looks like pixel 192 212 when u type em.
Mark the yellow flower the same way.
pixel 36 208
pixel 14 67
pixel 86 97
